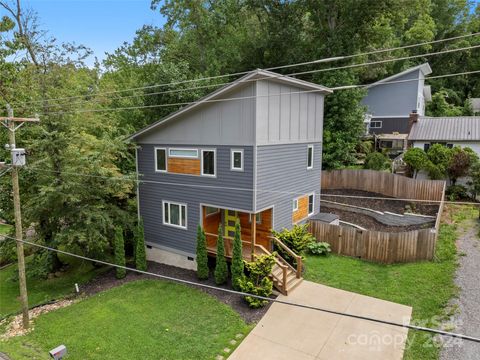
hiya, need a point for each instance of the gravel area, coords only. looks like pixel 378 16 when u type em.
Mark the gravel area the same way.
pixel 236 302
pixel 467 319
pixel 396 206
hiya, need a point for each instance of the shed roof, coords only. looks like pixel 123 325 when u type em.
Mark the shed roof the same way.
pixel 455 128
pixel 424 68
pixel 258 74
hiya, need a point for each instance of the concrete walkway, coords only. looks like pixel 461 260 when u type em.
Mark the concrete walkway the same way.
pixel 288 332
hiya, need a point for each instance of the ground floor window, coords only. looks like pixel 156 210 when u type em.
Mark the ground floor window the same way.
pixel 175 214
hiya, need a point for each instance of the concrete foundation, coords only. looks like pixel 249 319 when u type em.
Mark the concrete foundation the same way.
pixel 164 256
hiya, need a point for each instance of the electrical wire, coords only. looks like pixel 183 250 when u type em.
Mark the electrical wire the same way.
pixel 325 60
pixel 240 293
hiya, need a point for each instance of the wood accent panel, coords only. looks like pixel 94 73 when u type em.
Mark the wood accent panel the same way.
pixel 302 212
pixel 183 166
pixel 210 225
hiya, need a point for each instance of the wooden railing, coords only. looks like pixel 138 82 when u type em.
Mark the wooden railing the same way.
pixel 228 241
pixel 280 283
pixel 298 258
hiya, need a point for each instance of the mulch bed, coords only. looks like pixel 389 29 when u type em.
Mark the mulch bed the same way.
pixel 108 280
pixel 369 222
pixel 395 206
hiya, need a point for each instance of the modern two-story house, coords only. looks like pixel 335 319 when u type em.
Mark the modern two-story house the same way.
pixel 391 100
pixel 250 150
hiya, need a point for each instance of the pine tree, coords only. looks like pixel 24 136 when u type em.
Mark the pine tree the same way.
pixel 120 252
pixel 202 257
pixel 237 257
pixel 221 269
pixel 140 257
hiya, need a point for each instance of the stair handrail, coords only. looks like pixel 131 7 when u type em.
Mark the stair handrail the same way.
pixel 298 258
pixel 283 267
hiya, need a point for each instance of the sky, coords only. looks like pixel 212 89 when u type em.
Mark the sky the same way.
pixel 102 25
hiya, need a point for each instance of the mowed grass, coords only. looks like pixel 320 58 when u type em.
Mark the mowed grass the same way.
pixel 426 286
pixel 146 319
pixel 42 290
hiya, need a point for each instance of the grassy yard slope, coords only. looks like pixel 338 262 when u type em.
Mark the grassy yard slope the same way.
pixel 39 290
pixel 426 286
pixel 145 319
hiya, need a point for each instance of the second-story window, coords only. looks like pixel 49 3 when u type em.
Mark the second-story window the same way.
pixel 208 162
pixel 237 159
pixel 310 157
pixel 160 159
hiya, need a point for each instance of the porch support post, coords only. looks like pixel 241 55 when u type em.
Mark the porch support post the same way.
pixel 254 233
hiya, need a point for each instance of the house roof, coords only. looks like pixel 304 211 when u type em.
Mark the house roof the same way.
pixel 258 74
pixel 456 128
pixel 424 68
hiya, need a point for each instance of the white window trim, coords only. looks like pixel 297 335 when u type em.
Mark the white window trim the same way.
pixel 308 204
pixel 376 121
pixel 214 162
pixel 166 159
pixel 232 153
pixel 313 152
pixel 183 156
pixel 295 204
pixel 169 212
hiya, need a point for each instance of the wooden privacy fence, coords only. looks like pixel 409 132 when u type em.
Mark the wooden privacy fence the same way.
pixel 383 247
pixel 383 183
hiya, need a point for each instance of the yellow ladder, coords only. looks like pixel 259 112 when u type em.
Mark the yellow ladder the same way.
pixel 230 218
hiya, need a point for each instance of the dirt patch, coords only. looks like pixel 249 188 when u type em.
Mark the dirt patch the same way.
pixel 369 222
pixel 395 206
pixel 15 327
pixel 108 280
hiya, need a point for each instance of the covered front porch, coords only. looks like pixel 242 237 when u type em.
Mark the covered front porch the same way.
pixel 255 230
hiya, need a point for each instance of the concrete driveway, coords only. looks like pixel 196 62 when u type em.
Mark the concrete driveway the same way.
pixel 288 332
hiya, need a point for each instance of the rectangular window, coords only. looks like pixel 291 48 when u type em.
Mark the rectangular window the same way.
pixel 208 162
pixel 295 204
pixel 175 214
pixel 375 124
pixel 310 157
pixel 184 153
pixel 237 160
pixel 311 204
pixel 160 159
pixel 426 147
pixel 258 218
pixel 211 210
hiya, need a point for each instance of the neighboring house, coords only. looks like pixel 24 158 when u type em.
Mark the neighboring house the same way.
pixel 251 150
pixel 389 104
pixel 475 103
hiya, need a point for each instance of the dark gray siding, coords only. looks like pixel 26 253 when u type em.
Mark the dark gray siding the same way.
pixel 390 125
pixel 222 191
pixel 282 175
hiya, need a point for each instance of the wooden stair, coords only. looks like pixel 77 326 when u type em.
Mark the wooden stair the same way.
pixel 292 280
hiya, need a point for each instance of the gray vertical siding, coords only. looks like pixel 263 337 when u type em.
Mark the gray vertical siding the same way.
pixel 223 191
pixel 283 168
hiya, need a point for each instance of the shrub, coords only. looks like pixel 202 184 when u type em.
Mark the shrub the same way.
pixel 257 282
pixel 297 239
pixel 237 257
pixel 221 269
pixel 202 256
pixel 456 192
pixel 416 159
pixel 377 161
pixel 319 248
pixel 140 256
pixel 120 252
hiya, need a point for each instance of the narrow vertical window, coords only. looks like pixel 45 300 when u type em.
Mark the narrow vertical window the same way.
pixel 311 204
pixel 310 157
pixel 160 159
pixel 295 204
pixel 237 160
pixel 208 162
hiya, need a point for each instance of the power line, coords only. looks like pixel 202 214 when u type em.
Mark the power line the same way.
pixel 240 293
pixel 325 60
pixel 133 180
pixel 346 87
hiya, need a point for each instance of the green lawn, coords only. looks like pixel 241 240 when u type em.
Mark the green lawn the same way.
pixel 145 319
pixel 39 290
pixel 426 286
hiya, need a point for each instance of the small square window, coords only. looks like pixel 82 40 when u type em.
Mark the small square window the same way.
pixel 310 157
pixel 258 218
pixel 237 160
pixel 295 204
pixel 160 159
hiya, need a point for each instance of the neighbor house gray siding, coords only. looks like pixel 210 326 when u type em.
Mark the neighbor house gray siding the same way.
pixel 224 191
pixel 230 122
pixel 287 114
pixel 282 175
pixel 396 99
pixel 390 125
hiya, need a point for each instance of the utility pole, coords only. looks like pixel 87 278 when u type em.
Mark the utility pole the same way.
pixel 9 123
